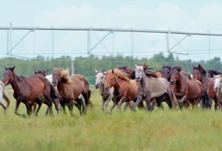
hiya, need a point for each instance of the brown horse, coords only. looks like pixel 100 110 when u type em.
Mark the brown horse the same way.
pixel 70 88
pixel 27 90
pixel 186 88
pixel 166 72
pixel 87 91
pixel 211 73
pixel 53 92
pixel 125 90
pixel 199 73
pixel 153 87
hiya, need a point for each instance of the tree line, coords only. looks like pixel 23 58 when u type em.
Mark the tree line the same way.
pixel 87 65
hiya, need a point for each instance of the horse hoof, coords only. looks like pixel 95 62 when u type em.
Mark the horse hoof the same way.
pixel 24 116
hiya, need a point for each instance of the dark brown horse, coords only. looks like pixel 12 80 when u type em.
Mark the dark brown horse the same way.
pixel 27 90
pixel 211 73
pixel 128 70
pixel 187 89
pixel 166 72
pixel 200 74
pixel 53 92
pixel 70 88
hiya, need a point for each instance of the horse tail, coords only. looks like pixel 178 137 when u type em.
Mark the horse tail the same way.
pixel 206 100
pixel 5 96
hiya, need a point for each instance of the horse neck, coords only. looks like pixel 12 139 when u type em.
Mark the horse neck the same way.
pixel 60 86
pixel 102 88
pixel 117 84
pixel 142 81
pixel 179 82
pixel 15 85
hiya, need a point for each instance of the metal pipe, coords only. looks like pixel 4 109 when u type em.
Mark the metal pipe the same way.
pixel 111 29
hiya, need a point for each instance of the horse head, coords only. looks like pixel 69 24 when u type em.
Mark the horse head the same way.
pixel 42 72
pixel 196 73
pixel 56 76
pixel 175 74
pixel 100 75
pixel 166 72
pixel 110 80
pixel 8 75
pixel 217 83
pixel 139 72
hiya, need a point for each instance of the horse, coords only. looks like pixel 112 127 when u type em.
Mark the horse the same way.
pixel 70 88
pixel 4 95
pixel 218 90
pixel 100 83
pixel 27 90
pixel 166 72
pixel 125 90
pixel 212 72
pixel 153 87
pixel 53 92
pixel 186 89
pixel 128 70
pixel 200 74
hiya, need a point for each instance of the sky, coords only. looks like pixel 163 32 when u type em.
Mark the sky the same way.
pixel 173 15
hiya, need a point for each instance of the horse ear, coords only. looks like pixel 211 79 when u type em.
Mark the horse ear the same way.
pixel 104 73
pixel 117 67
pixel 136 66
pixel 144 65
pixel 35 72
pixel 112 71
pixel 193 67
pixel 53 68
pixel 96 71
pixel 13 68
pixel 5 68
pixel 163 64
pixel 170 67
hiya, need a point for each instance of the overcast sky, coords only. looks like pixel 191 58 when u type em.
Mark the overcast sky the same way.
pixel 191 16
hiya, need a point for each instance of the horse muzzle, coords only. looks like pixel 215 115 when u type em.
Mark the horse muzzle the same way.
pixel 96 86
pixel 54 84
pixel 216 89
pixel 138 79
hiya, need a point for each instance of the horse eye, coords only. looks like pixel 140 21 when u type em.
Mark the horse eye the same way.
pixel 101 77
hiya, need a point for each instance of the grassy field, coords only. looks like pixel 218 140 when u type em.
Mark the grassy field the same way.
pixel 158 130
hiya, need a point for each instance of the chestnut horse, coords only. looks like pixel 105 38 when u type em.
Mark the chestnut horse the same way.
pixel 153 87
pixel 125 90
pixel 27 90
pixel 200 74
pixel 70 88
pixel 186 89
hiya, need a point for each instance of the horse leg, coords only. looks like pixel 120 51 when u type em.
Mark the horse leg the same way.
pixel 114 104
pixel 28 108
pixel 107 102
pixel 16 107
pixel 70 106
pixel 147 103
pixel 2 103
pixel 120 103
pixel 39 102
pixel 103 103
pixel 138 100
pixel 127 104
pixel 81 97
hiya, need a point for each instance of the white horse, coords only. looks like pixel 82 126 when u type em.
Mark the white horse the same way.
pixel 4 95
pixel 106 96
pixel 218 89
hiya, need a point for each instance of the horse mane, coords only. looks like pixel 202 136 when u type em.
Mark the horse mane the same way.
pixel 169 67
pixel 214 72
pixel 124 67
pixel 178 68
pixel 186 74
pixel 119 74
pixel 201 69
pixel 150 73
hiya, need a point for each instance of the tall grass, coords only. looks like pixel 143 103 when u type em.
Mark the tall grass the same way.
pixel 158 130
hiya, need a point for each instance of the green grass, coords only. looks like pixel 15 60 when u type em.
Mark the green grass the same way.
pixel 158 130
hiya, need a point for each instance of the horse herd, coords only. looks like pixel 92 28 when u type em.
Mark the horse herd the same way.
pixel 121 85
